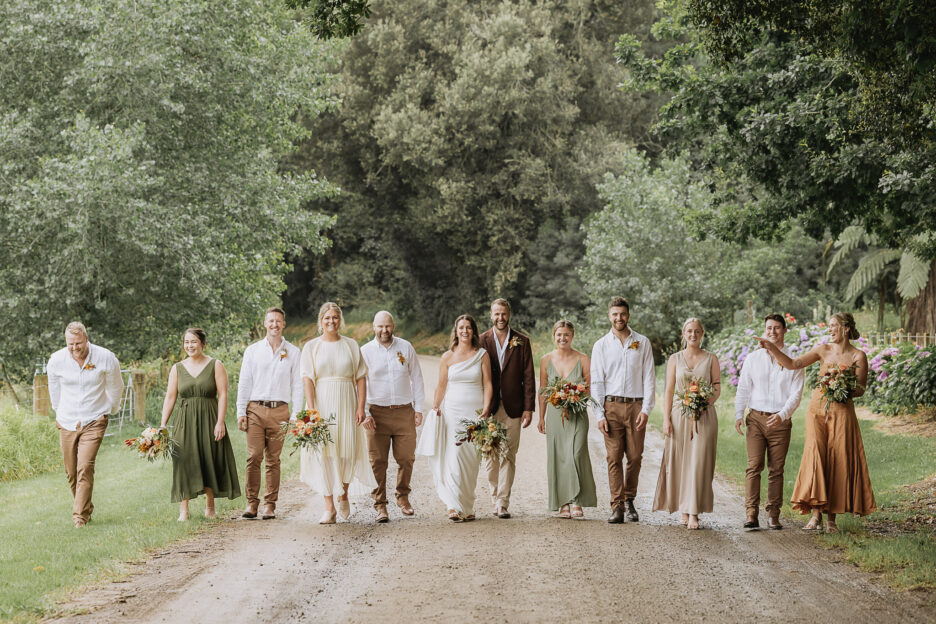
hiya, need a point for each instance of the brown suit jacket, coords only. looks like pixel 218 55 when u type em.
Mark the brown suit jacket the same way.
pixel 516 384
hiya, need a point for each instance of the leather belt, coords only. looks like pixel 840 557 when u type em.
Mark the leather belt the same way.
pixel 270 404
pixel 757 411
pixel 621 399
pixel 392 406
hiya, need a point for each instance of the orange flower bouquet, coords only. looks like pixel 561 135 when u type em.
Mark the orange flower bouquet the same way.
pixel 309 431
pixel 572 398
pixel 487 434
pixel 695 400
pixel 838 384
pixel 153 443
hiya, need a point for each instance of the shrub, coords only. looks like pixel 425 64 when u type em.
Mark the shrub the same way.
pixel 901 380
pixel 29 445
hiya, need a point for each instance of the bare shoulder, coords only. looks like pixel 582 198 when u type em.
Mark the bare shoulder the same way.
pixel 447 357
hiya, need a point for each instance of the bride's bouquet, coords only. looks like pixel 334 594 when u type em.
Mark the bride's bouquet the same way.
pixel 153 443
pixel 838 384
pixel 487 434
pixel 309 431
pixel 695 400
pixel 572 398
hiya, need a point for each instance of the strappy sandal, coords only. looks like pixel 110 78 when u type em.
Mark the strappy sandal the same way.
pixel 813 524
pixel 578 513
pixel 469 518
pixel 831 527
pixel 454 516
pixel 564 512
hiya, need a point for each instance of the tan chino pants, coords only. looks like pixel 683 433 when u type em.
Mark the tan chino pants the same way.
pixel 264 444
pixel 501 471
pixel 775 441
pixel 79 451
pixel 623 440
pixel 396 427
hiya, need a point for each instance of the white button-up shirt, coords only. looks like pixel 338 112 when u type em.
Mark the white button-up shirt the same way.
pixel 501 348
pixel 82 393
pixel 768 387
pixel 268 375
pixel 623 370
pixel 393 374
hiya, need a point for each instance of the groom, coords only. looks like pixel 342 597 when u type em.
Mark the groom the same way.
pixel 514 397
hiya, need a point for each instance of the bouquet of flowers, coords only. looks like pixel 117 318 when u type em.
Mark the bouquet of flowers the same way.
pixel 838 384
pixel 309 431
pixel 153 443
pixel 571 398
pixel 487 434
pixel 695 401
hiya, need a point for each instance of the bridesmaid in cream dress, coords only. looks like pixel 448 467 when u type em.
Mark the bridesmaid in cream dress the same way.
pixel 688 466
pixel 334 376
pixel 464 388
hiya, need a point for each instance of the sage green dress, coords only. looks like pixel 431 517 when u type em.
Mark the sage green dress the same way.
pixel 568 464
pixel 199 461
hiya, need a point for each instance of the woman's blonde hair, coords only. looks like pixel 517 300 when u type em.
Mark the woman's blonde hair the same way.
pixel 563 323
pixel 846 320
pixel 327 307
pixel 682 337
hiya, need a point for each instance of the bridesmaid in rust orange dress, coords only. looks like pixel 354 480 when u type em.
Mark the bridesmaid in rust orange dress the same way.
pixel 833 474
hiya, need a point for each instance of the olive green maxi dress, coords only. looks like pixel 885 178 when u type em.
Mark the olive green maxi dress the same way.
pixel 200 461
pixel 568 465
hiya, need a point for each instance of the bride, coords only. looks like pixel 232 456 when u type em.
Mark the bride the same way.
pixel 464 388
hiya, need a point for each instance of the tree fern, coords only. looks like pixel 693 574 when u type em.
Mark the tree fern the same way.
pixel 847 242
pixel 869 269
pixel 914 274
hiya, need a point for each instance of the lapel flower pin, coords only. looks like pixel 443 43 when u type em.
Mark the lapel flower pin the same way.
pixel 634 345
pixel 514 342
pixel 400 357
pixel 89 366
pixel 283 354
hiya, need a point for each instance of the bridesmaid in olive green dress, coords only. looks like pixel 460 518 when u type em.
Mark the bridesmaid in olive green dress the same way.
pixel 568 465
pixel 204 460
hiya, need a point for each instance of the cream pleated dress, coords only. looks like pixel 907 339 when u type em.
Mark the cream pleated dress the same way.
pixel 334 368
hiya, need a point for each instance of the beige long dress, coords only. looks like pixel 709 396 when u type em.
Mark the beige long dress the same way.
pixel 334 368
pixel 688 466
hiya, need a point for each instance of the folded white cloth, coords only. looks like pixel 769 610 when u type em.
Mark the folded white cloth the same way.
pixel 431 439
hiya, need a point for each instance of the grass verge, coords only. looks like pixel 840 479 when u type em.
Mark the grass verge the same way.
pixel 29 446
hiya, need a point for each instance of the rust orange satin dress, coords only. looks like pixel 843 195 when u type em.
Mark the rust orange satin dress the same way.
pixel 833 474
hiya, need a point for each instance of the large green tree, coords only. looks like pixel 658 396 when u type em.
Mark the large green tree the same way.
pixel 468 145
pixel 139 149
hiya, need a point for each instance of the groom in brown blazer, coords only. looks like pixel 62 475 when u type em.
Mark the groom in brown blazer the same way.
pixel 514 385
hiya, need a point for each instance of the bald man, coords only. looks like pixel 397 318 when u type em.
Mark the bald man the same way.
pixel 394 400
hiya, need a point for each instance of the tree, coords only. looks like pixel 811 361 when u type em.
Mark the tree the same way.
pixel 333 18
pixel 141 191
pixel 467 132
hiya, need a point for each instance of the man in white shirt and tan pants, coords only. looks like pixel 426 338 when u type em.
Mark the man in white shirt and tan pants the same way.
pixel 772 393
pixel 395 398
pixel 84 386
pixel 623 384
pixel 269 384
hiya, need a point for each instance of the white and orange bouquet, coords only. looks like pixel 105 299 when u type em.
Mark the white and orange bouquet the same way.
pixel 838 384
pixel 695 400
pixel 309 430
pixel 153 443
pixel 570 397
pixel 487 434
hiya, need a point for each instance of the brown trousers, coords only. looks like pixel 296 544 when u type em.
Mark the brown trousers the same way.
pixel 623 440
pixel 264 444
pixel 501 471
pixel 775 441
pixel 395 426
pixel 79 450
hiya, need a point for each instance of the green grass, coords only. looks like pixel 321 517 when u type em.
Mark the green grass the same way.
pixel 42 555
pixel 907 560
pixel 29 445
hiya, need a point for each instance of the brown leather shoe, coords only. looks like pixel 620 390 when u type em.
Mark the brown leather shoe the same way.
pixel 774 523
pixel 617 516
pixel 79 523
pixel 405 508
pixel 751 524
pixel 382 515
pixel 250 512
pixel 630 513
pixel 268 512
pixel 502 513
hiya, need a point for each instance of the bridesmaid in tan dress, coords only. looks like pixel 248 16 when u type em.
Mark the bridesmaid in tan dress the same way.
pixel 688 466
pixel 833 474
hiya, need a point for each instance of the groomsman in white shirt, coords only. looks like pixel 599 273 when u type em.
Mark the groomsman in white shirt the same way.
pixel 772 393
pixel 269 384
pixel 623 384
pixel 395 398
pixel 85 386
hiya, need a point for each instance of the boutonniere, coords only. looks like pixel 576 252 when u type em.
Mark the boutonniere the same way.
pixel 634 345
pixel 400 357
pixel 283 354
pixel 88 366
pixel 514 342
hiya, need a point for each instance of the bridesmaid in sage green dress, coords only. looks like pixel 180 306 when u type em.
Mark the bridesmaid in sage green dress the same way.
pixel 204 460
pixel 568 465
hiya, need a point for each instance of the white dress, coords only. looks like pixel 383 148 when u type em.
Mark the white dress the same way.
pixel 455 468
pixel 334 368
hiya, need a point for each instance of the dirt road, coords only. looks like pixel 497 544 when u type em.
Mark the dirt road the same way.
pixel 531 568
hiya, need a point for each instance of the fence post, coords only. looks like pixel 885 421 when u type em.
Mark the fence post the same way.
pixel 138 378
pixel 42 402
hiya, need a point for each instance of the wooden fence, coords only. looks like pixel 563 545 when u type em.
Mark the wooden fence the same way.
pixel 897 337
pixel 132 404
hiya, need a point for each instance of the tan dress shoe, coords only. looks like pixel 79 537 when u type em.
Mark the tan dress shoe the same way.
pixel 268 513
pixel 382 515
pixel 405 508
pixel 250 512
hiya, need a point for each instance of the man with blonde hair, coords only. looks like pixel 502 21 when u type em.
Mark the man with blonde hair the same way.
pixel 85 387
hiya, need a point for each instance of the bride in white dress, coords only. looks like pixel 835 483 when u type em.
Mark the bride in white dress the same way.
pixel 464 388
